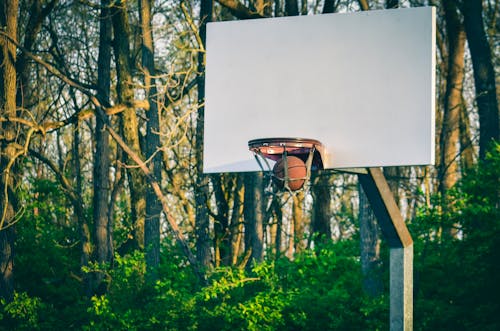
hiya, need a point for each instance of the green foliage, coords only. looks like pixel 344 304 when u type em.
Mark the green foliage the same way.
pixel 23 313
pixel 327 293
pixel 235 300
pixel 318 290
pixel 47 264
pixel 134 303
pixel 457 282
pixel 458 278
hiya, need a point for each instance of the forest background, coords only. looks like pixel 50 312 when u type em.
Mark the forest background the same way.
pixel 107 221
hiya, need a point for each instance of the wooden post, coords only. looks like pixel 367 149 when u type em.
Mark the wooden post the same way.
pixel 400 244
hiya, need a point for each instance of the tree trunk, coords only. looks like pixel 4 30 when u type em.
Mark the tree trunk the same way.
pixel 85 247
pixel 390 4
pixel 221 224
pixel 330 6
pixel 201 192
pixel 298 219
pixel 291 8
pixel 278 8
pixel 273 220
pixel 484 74
pixel 103 240
pixel 253 215
pixel 236 224
pixel 153 205
pixel 129 119
pixel 363 5
pixel 453 98
pixel 467 148
pixel 8 21
pixel 37 15
pixel 322 209
pixel 370 247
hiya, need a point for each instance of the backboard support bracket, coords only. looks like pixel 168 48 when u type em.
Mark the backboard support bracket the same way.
pixel 400 244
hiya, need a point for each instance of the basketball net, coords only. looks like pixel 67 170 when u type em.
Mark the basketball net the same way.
pixel 271 177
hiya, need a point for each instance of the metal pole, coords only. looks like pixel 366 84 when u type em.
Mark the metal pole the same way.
pixel 401 247
pixel 401 288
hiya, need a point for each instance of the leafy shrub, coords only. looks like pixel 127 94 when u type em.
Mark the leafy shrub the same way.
pixel 23 313
pixel 47 263
pixel 318 290
pixel 458 278
pixel 134 303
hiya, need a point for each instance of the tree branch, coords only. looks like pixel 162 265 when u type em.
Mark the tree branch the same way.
pixel 70 81
pixel 363 4
pixel 239 10
pixel 66 185
pixel 157 190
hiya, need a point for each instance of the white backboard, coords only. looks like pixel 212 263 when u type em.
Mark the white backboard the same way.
pixel 361 83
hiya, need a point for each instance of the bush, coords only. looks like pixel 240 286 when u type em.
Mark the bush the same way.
pixel 23 313
pixel 318 290
pixel 458 278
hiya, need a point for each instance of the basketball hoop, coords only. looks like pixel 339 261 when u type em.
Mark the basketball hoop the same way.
pixel 292 155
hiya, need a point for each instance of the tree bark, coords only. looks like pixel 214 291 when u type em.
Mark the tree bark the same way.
pixel 153 205
pixel 291 8
pixel 254 216
pixel 8 21
pixel 363 5
pixel 103 239
pixel 298 240
pixel 322 209
pixel 467 148
pixel 369 247
pixel 330 6
pixel 33 28
pixel 453 98
pixel 390 4
pixel 238 9
pixel 221 223
pixel 236 224
pixel 202 181
pixel 128 118
pixel 484 74
pixel 85 247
